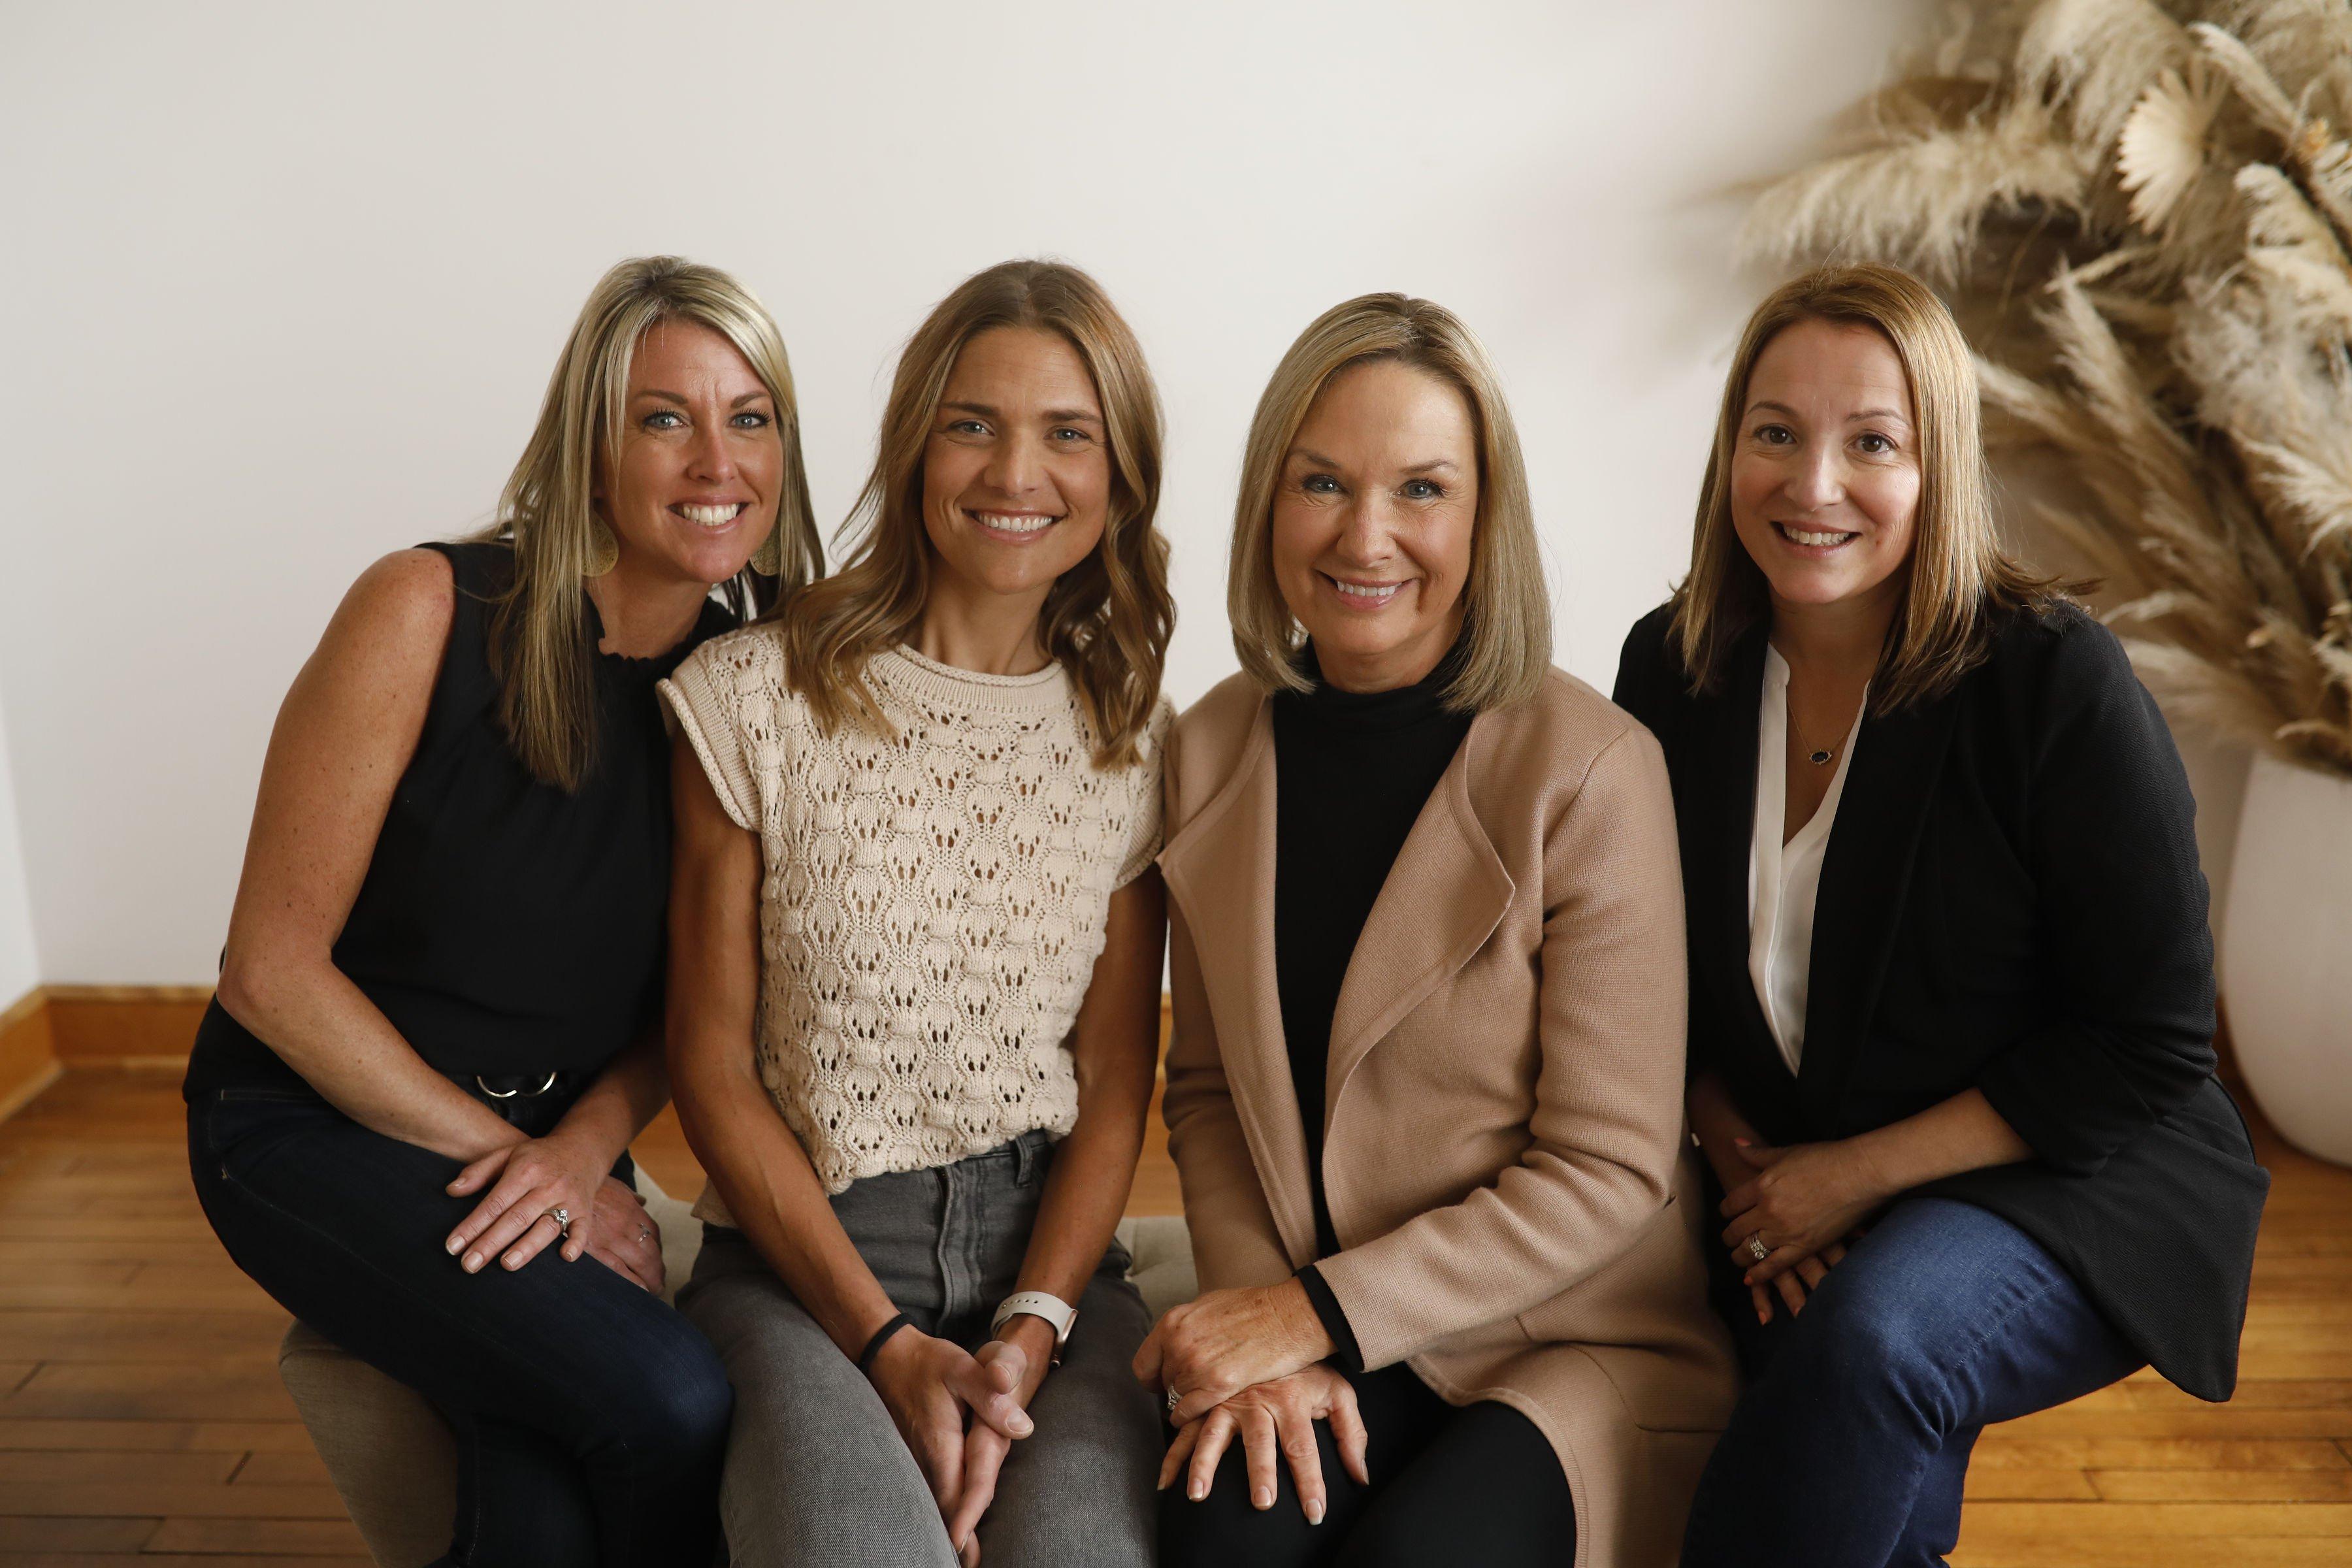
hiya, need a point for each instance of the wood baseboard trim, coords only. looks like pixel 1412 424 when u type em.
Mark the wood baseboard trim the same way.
pixel 28 1056
pixel 124 1025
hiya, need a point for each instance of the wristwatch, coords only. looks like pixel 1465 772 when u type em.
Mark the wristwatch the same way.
pixel 1038 1304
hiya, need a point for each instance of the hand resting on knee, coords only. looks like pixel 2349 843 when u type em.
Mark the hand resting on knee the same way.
pixel 1274 1419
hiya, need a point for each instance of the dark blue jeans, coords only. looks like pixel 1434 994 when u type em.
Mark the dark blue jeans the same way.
pixel 590 1418
pixel 1850 1445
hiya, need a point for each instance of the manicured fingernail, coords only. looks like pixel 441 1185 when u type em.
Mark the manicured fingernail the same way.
pixel 452 1244
pixel 1196 1492
pixel 512 1260
pixel 1262 1496
pixel 1022 1425
pixel 473 1262
pixel 1315 1511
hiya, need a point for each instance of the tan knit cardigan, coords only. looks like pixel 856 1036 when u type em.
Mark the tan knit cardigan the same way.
pixel 1504 1154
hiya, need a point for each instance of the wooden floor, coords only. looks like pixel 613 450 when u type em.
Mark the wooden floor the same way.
pixel 142 1420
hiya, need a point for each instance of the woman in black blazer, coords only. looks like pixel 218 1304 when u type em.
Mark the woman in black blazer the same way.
pixel 1951 981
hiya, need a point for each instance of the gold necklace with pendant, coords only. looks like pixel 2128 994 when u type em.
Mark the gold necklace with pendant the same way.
pixel 1819 758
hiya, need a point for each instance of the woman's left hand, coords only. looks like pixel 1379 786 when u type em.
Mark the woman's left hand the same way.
pixel 527 1181
pixel 1802 1200
pixel 1213 1347
pixel 1016 1361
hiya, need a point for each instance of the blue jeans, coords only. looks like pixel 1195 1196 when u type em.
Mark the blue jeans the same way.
pixel 591 1419
pixel 1850 1445
pixel 816 1472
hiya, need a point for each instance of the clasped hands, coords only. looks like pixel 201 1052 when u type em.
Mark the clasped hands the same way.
pixel 1250 1362
pixel 960 1412
pixel 1805 1202
pixel 526 1182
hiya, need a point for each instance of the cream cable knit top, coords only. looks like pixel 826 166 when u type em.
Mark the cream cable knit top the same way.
pixel 930 905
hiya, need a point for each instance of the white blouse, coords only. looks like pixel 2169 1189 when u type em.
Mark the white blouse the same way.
pixel 1783 880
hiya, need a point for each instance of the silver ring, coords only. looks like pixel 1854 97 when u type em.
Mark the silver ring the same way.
pixel 1757 1249
pixel 563 1218
pixel 1174 1399
pixel 644 1236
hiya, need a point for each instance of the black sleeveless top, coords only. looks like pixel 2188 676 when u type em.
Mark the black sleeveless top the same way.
pixel 504 926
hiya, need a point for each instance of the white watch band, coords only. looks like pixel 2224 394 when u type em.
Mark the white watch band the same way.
pixel 1038 1304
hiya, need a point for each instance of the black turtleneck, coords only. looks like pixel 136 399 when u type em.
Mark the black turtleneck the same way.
pixel 1353 771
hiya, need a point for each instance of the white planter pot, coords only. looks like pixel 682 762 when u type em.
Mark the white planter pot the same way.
pixel 2287 950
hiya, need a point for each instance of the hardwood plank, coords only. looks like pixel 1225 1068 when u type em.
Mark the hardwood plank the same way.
pixel 157 1437
pixel 2222 1486
pixel 2158 1454
pixel 175 1469
pixel 2234 1520
pixel 170 1499
pixel 2028 1483
pixel 156 1390
pixel 97 1534
pixel 315 1537
pixel 2093 1550
pixel 306 1469
pixel 171 1560
pixel 205 1337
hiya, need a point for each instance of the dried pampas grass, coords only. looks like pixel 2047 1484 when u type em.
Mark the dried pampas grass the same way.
pixel 2142 212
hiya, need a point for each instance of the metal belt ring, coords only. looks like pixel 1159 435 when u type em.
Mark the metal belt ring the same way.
pixel 548 1083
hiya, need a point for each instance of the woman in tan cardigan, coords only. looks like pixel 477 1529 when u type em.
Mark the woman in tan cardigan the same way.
pixel 1425 1088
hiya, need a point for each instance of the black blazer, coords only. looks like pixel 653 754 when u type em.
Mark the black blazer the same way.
pixel 2010 900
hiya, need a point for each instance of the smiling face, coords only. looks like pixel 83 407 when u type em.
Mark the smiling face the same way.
pixel 1826 469
pixel 1016 471
pixel 1373 517
pixel 691 491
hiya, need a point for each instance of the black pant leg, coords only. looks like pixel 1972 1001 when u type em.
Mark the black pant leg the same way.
pixel 344 1228
pixel 1486 1489
pixel 1225 1531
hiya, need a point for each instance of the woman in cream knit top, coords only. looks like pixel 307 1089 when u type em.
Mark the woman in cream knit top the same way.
pixel 930 902
pixel 916 938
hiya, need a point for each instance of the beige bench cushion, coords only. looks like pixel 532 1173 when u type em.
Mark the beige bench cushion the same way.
pixel 394 1461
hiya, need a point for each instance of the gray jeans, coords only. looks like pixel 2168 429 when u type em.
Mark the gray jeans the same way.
pixel 817 1474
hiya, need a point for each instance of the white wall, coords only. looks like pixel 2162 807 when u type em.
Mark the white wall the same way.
pixel 285 282
pixel 20 967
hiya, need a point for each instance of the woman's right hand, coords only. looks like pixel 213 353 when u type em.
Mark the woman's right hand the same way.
pixel 1276 1420
pixel 928 1384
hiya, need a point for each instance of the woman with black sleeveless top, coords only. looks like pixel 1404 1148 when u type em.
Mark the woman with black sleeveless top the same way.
pixel 439 1019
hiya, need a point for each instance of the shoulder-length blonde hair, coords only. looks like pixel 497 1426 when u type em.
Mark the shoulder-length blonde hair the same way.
pixel 539 638
pixel 1107 619
pixel 1507 624
pixel 1958 576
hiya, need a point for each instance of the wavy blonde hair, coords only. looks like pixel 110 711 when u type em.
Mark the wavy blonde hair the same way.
pixel 1107 619
pixel 1957 576
pixel 1507 625
pixel 539 639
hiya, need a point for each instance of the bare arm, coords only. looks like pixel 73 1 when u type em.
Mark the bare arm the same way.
pixel 763 1172
pixel 758 1164
pixel 1115 1045
pixel 345 735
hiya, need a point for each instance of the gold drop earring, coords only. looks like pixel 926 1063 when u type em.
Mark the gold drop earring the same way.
pixel 767 561
pixel 603 550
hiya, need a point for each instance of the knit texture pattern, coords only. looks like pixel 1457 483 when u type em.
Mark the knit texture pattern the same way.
pixel 931 902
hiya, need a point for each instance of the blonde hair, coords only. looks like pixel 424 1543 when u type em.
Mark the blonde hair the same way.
pixel 1957 576
pixel 1107 619
pixel 1506 627
pixel 539 645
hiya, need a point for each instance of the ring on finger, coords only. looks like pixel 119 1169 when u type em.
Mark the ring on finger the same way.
pixel 1757 1249
pixel 1174 1399
pixel 563 1218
